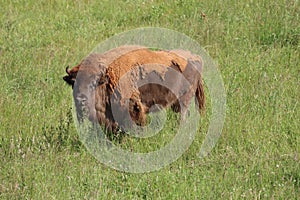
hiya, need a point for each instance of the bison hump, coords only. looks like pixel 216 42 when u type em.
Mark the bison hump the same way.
pixel 128 61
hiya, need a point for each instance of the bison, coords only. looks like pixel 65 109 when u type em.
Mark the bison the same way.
pixel 128 82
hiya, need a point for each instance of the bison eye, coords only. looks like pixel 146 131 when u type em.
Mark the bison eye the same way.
pixel 136 108
pixel 103 80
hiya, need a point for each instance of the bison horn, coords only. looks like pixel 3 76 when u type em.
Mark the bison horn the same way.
pixel 67 70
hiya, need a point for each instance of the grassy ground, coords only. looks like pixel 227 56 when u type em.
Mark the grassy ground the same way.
pixel 256 45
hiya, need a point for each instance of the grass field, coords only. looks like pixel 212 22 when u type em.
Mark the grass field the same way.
pixel 257 47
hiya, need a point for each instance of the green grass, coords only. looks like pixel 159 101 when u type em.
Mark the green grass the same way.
pixel 256 46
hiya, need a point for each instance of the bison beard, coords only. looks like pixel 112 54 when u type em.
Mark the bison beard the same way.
pixel 116 73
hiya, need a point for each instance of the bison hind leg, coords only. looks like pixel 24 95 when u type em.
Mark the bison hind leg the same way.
pixel 200 96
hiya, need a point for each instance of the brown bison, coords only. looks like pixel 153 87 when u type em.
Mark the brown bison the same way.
pixel 121 86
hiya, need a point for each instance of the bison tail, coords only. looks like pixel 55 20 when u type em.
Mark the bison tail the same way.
pixel 200 96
